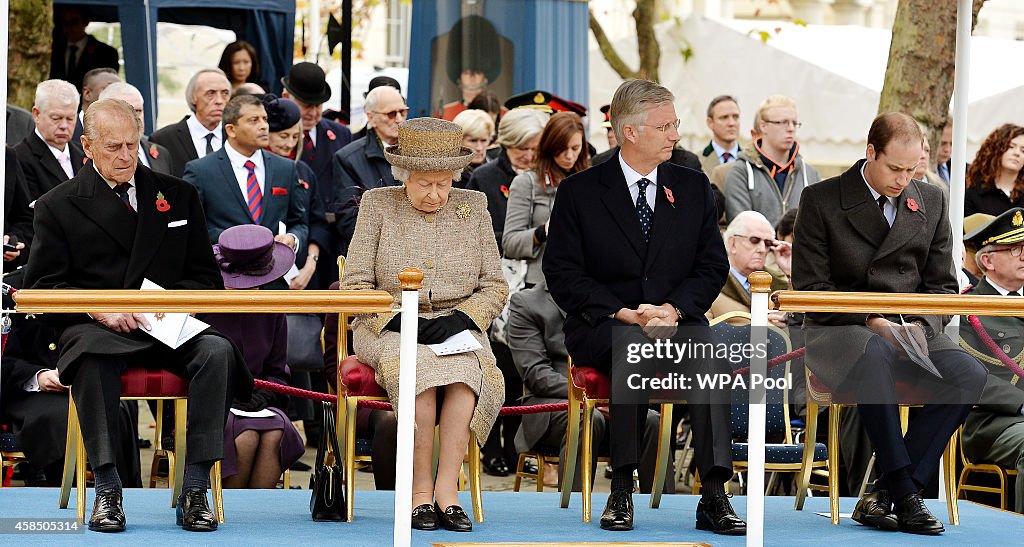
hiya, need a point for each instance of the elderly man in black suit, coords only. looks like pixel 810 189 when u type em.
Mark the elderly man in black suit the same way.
pixel 111 227
pixel 875 229
pixel 150 154
pixel 244 184
pixel 200 134
pixel 623 250
pixel 74 51
pixel 48 156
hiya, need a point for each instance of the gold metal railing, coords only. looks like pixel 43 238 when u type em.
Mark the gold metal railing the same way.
pixel 105 301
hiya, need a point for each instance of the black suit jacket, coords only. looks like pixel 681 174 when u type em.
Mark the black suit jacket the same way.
pixel 93 242
pixel 596 261
pixel 330 138
pixel 96 55
pixel 42 171
pixel 17 215
pixel 178 140
pixel 158 155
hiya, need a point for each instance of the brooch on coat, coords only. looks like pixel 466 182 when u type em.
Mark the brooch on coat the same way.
pixel 668 195
pixel 911 204
pixel 463 211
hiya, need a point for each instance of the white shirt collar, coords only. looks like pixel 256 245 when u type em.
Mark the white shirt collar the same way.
pixel 744 280
pixel 719 150
pixel 875 195
pixel 196 128
pixel 238 160
pixel 632 176
pixel 56 153
pixel 131 182
pixel 1002 291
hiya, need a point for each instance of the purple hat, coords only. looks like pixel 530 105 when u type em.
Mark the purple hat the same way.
pixel 249 257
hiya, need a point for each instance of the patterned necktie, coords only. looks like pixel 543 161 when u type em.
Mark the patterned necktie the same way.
pixel 307 146
pixel 726 157
pixel 209 143
pixel 253 195
pixel 122 192
pixel 643 209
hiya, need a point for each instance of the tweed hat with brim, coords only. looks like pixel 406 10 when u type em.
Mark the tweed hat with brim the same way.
pixel 429 145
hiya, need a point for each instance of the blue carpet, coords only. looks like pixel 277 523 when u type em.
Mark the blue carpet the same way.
pixel 262 517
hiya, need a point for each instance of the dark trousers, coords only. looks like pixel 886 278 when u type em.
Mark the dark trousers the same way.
pixel 948 401
pixel 709 423
pixel 204 360
pixel 501 441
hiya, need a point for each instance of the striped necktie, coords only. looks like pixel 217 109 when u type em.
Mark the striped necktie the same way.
pixel 307 146
pixel 253 195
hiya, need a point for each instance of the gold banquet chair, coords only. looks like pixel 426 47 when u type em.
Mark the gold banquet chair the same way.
pixel 357 382
pixel 969 467
pixel 587 389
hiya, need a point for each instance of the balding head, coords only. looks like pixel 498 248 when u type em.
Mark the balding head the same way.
pixel 111 139
pixel 130 94
pixel 94 82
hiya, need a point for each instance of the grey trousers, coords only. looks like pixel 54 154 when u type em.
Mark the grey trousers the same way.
pixel 1008 450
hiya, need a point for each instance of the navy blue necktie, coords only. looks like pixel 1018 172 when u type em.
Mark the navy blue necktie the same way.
pixel 643 209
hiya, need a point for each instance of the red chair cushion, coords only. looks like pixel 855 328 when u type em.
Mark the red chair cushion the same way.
pixel 146 382
pixel 906 393
pixel 359 378
pixel 594 383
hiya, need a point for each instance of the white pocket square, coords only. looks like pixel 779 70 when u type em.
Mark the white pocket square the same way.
pixel 177 223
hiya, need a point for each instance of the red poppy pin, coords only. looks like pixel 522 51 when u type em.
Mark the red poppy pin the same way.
pixel 161 203
pixel 504 190
pixel 153 152
pixel 330 135
pixel 668 195
pixel 278 191
pixel 85 160
pixel 304 184
pixel 911 204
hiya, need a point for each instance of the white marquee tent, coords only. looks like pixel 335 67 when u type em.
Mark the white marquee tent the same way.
pixel 834 73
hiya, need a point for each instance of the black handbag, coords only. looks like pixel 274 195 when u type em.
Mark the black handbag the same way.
pixel 304 341
pixel 327 504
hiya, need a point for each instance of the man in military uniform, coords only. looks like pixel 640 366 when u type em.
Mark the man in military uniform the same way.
pixel 994 430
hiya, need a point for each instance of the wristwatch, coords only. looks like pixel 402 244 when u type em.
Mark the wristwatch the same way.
pixel 314 258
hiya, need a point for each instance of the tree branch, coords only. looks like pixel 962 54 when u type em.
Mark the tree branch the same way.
pixel 608 51
pixel 647 43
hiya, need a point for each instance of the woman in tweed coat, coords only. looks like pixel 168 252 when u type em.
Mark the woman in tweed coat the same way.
pixel 447 234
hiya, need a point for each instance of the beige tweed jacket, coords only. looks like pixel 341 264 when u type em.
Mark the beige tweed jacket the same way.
pixel 456 250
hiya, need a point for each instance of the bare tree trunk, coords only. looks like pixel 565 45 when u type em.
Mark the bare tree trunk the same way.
pixel 31 40
pixel 645 15
pixel 919 76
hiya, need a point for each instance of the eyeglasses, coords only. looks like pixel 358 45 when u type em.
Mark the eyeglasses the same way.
pixel 403 112
pixel 768 242
pixel 665 127
pixel 1014 251
pixel 785 123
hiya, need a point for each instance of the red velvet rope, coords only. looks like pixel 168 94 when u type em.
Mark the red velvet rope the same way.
pixel 993 347
pixel 795 354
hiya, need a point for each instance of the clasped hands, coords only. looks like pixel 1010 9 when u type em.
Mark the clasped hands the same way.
pixel 657 321
pixel 436 330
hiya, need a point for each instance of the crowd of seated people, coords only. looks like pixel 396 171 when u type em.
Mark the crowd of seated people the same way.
pixel 255 160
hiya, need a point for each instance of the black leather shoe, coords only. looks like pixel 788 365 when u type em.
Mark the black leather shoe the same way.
pixel 194 512
pixel 914 518
pixel 107 514
pixel 875 509
pixel 496 467
pixel 618 511
pixel 424 517
pixel 716 514
pixel 453 518
pixel 530 467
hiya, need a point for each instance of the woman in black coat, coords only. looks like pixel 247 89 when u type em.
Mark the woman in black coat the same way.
pixel 995 180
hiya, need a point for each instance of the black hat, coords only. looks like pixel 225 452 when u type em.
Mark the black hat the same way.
pixel 307 83
pixel 606 110
pixel 1005 229
pixel 473 45
pixel 379 81
pixel 281 113
pixel 545 102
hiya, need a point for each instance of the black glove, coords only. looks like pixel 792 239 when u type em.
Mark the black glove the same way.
pixel 395 325
pixel 433 331
pixel 261 399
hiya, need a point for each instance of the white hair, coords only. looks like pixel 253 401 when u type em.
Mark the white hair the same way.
pixel 520 125
pixel 190 89
pixel 475 124
pixel 56 93
pixel 375 95
pixel 741 221
pixel 121 89
pixel 402 174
